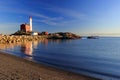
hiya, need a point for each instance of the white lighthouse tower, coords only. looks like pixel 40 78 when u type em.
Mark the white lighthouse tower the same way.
pixel 30 23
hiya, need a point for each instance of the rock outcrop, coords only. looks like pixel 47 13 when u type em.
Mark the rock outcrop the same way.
pixel 63 35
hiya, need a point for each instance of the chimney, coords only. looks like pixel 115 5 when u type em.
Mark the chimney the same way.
pixel 30 23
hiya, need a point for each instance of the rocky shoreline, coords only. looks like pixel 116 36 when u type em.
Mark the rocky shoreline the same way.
pixel 21 38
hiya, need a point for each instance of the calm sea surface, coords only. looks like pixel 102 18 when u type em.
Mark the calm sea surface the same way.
pixel 99 58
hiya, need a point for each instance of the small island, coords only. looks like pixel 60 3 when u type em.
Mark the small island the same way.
pixel 92 37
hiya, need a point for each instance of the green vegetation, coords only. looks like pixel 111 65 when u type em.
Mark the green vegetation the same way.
pixel 22 33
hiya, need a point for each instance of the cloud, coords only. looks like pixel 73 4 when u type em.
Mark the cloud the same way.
pixel 41 17
pixel 58 21
pixel 44 17
pixel 48 22
pixel 66 12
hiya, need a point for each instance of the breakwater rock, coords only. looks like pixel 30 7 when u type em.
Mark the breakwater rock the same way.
pixel 22 38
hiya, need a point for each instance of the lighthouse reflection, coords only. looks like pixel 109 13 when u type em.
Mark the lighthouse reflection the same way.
pixel 26 48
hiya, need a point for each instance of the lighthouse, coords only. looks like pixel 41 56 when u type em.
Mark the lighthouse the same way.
pixel 30 23
pixel 27 27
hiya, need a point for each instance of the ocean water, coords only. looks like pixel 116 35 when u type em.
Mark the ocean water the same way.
pixel 99 58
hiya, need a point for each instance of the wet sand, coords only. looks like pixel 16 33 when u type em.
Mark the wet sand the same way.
pixel 15 68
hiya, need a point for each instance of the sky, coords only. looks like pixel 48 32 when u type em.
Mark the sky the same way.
pixel 83 17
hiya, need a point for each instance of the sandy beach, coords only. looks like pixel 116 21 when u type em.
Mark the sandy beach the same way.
pixel 15 68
